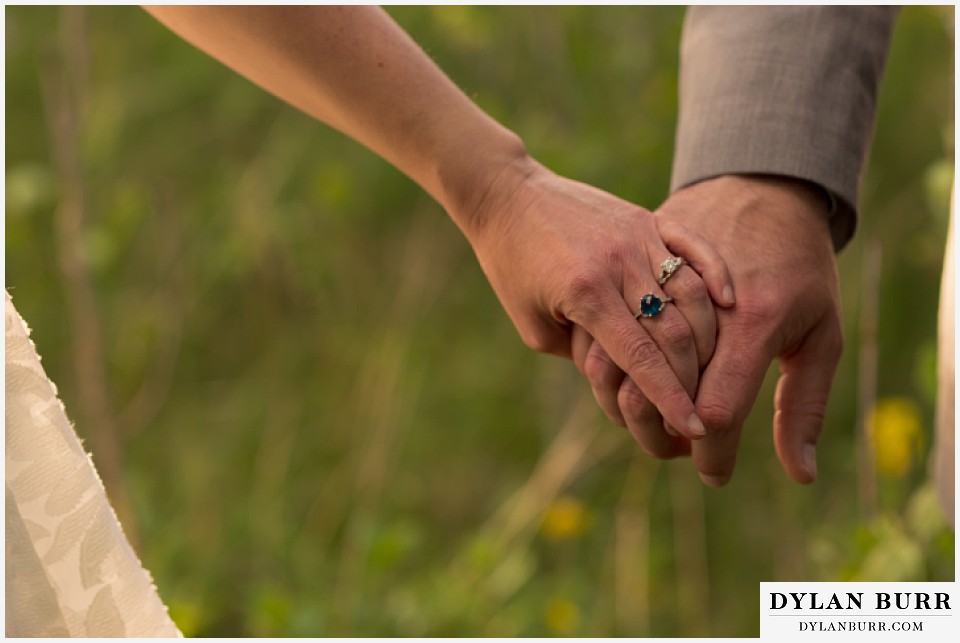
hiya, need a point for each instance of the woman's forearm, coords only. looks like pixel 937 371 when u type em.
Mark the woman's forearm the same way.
pixel 557 252
pixel 356 70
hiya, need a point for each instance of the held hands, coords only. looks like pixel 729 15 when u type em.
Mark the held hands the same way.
pixel 562 255
pixel 773 234
pixel 570 264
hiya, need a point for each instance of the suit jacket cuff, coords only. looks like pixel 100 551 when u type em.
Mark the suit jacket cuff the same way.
pixel 788 91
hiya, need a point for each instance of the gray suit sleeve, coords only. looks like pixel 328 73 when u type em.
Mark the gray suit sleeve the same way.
pixel 789 91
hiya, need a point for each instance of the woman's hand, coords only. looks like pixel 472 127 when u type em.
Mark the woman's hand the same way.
pixel 561 254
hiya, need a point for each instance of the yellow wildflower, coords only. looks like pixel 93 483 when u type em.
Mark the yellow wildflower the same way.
pixel 565 518
pixel 562 616
pixel 894 424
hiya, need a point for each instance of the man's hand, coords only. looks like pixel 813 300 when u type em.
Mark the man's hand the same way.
pixel 774 237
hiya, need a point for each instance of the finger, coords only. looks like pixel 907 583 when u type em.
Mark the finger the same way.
pixel 673 335
pixel 702 256
pixel 801 399
pixel 670 329
pixel 646 425
pixel 693 302
pixel 580 343
pixel 728 389
pixel 633 407
pixel 604 376
pixel 604 314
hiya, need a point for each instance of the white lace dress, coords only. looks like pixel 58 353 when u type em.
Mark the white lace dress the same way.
pixel 69 569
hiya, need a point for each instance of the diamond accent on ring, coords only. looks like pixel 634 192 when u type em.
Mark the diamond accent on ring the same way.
pixel 668 267
pixel 670 264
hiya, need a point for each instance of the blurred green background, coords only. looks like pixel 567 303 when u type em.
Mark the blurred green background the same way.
pixel 313 415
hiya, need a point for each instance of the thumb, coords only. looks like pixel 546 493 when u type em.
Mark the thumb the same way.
pixel 801 400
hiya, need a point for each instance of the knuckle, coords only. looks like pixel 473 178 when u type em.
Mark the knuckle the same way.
pixel 583 287
pixel 675 334
pixel 599 369
pixel 642 354
pixel 717 416
pixel 761 311
pixel 633 403
pixel 580 295
pixel 616 253
pixel 687 286
pixel 539 340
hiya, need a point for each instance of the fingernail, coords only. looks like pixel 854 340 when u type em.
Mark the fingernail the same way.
pixel 696 426
pixel 810 459
pixel 728 295
pixel 714 481
pixel 670 430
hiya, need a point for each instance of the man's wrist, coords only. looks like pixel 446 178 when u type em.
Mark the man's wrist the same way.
pixel 812 194
pixel 759 200
pixel 807 197
pixel 822 194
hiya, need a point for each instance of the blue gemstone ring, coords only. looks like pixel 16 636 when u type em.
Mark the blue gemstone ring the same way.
pixel 652 305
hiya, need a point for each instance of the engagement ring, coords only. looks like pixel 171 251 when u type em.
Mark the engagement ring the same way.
pixel 668 267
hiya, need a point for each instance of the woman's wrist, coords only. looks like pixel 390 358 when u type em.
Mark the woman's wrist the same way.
pixel 475 174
